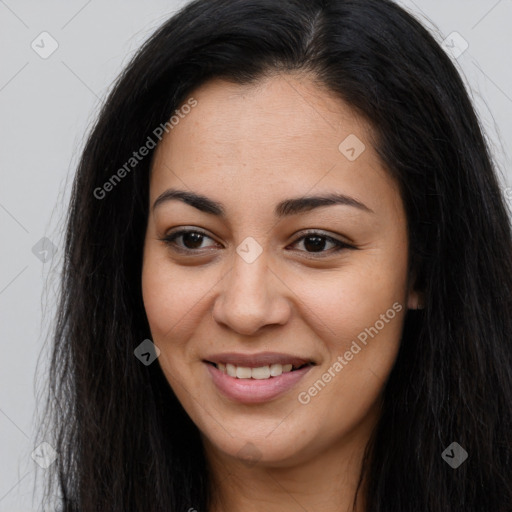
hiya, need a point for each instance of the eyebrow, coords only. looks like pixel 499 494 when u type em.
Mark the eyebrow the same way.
pixel 285 208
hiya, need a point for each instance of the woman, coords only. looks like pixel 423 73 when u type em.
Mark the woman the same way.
pixel 288 279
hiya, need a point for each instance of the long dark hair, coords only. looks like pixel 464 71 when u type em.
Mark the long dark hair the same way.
pixel 124 441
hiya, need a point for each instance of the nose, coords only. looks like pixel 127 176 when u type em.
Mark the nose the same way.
pixel 251 297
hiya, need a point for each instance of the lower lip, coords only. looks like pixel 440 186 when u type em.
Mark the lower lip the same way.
pixel 255 391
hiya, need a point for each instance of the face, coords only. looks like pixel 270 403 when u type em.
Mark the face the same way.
pixel 278 316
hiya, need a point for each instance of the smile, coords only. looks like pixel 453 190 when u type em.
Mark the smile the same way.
pixel 257 378
pixel 259 373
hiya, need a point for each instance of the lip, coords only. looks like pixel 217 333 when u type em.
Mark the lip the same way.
pixel 257 360
pixel 255 391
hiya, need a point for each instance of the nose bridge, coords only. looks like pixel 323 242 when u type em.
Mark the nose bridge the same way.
pixel 248 298
pixel 247 284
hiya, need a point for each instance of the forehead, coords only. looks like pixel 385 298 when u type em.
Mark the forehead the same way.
pixel 275 111
pixel 283 134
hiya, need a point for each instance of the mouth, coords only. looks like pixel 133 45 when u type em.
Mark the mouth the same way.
pixel 256 378
pixel 258 373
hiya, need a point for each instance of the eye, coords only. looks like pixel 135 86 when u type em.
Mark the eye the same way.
pixel 314 242
pixel 317 242
pixel 191 240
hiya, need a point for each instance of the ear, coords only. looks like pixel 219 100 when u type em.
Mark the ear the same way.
pixel 415 298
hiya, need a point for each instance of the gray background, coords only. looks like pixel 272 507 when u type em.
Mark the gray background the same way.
pixel 46 107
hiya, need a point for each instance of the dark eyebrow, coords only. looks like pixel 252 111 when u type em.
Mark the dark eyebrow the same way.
pixel 283 209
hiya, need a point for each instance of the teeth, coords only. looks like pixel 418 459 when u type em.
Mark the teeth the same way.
pixel 263 372
pixel 260 373
pixel 231 370
pixel 276 370
pixel 243 372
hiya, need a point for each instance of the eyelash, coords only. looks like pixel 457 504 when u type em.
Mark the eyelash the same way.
pixel 339 245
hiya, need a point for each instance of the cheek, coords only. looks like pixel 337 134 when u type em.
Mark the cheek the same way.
pixel 167 294
pixel 159 302
pixel 360 312
pixel 168 302
pixel 176 303
pixel 354 298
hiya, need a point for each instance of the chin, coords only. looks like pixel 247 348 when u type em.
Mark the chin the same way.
pixel 254 447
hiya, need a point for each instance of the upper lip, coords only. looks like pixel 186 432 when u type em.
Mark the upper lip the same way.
pixel 257 360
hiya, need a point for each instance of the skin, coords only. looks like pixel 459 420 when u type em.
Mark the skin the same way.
pixel 250 147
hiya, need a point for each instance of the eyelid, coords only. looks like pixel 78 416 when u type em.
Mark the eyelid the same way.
pixel 318 232
pixel 169 238
pixel 301 235
pixel 339 245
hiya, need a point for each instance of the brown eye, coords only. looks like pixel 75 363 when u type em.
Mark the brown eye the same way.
pixel 320 243
pixel 190 240
pixel 315 243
